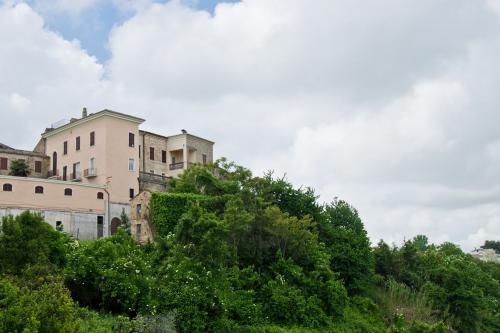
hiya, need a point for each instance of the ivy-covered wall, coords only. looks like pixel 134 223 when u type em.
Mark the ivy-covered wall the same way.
pixel 167 208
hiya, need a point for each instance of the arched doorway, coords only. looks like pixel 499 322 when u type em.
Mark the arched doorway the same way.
pixel 54 164
pixel 115 224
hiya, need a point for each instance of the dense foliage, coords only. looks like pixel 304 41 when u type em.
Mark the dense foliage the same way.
pixel 19 168
pixel 238 253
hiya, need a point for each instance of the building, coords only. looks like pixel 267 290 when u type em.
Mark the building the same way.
pixel 488 255
pixel 86 171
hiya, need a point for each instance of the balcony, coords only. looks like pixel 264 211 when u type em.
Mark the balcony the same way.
pixel 53 175
pixel 90 173
pixel 75 177
pixel 176 166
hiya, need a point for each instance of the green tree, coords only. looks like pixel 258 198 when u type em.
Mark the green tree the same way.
pixel 19 168
pixel 27 240
pixel 347 242
pixel 490 244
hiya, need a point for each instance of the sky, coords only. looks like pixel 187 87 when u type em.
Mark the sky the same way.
pixel 391 105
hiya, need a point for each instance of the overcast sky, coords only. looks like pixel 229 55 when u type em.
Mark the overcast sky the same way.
pixel 391 105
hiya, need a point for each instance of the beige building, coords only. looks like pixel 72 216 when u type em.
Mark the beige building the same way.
pixel 104 160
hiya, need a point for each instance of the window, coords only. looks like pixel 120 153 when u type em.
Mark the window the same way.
pixel 68 192
pixel 77 143
pixel 100 195
pixel 39 189
pixel 59 226
pixel 3 163
pixel 204 156
pixel 164 156
pixel 131 193
pixel 38 166
pixel 139 151
pixel 7 187
pixel 138 229
pixel 131 140
pixel 151 153
pixel 92 164
pixel 92 138
pixel 138 209
pixel 173 159
pixel 131 164
pixel 77 173
pixel 65 173
pixel 100 226
pixel 65 148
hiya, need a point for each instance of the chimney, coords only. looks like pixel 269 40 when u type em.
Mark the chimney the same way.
pixel 84 112
pixel 184 131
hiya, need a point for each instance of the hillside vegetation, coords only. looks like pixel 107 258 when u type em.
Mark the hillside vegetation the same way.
pixel 238 253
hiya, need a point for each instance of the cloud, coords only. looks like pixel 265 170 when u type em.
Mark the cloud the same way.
pixel 390 106
pixel 43 74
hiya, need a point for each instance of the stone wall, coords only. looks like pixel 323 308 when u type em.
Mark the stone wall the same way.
pixel 29 157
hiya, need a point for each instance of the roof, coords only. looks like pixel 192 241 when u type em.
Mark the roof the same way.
pixel 92 116
pixel 3 146
pixel 170 136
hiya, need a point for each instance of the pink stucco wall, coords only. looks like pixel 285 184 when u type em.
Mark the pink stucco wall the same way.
pixel 83 199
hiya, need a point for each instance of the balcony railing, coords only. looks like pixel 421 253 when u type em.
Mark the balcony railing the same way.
pixel 75 177
pixel 89 173
pixel 176 166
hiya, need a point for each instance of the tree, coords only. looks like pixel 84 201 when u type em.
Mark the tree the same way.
pixel 490 244
pixel 19 168
pixel 27 240
pixel 125 222
pixel 347 242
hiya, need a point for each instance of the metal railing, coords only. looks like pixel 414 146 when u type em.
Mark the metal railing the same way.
pixel 75 177
pixel 91 172
pixel 176 166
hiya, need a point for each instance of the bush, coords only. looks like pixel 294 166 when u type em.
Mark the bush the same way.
pixel 27 240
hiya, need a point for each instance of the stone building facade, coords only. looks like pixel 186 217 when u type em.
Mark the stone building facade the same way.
pixel 37 162
pixel 105 161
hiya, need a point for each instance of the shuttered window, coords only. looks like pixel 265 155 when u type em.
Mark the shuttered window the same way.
pixel 38 166
pixel 151 153
pixel 65 148
pixel 77 143
pixel 92 138
pixel 3 163
pixel 164 156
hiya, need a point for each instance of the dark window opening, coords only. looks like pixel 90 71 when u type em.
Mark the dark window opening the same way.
pixel 138 209
pixel 100 226
pixel 39 189
pixel 38 166
pixel 131 193
pixel 164 156
pixel 65 148
pixel 204 156
pixel 131 140
pixel 68 192
pixel 92 138
pixel 65 173
pixel 7 187
pixel 77 143
pixel 100 195
pixel 3 163
pixel 151 153
pixel 139 151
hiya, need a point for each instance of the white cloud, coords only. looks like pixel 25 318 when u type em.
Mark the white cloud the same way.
pixel 391 106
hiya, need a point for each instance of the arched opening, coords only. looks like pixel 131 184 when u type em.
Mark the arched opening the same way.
pixel 39 189
pixel 7 187
pixel 115 224
pixel 54 164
